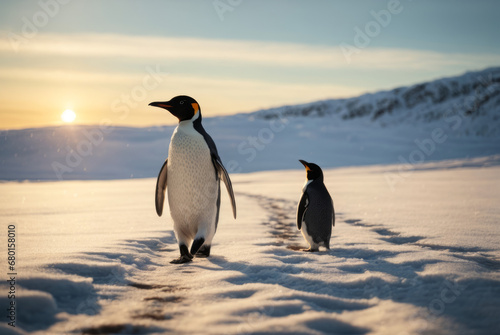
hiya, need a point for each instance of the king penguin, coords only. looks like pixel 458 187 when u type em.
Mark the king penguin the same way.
pixel 192 171
pixel 315 213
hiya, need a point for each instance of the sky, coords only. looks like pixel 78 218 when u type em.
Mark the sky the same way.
pixel 106 60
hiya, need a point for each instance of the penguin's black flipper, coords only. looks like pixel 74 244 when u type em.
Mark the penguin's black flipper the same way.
pixel 225 178
pixel 161 186
pixel 301 209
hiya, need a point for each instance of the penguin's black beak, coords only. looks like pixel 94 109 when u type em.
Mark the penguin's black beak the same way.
pixel 306 165
pixel 162 104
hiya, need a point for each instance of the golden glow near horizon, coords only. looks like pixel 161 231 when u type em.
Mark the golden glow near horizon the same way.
pixel 154 69
pixel 68 116
pixel 61 53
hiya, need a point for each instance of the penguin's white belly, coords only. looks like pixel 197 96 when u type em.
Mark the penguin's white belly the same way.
pixel 307 237
pixel 191 183
pixel 303 228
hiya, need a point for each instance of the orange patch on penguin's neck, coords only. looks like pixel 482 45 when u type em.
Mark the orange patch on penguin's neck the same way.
pixel 196 107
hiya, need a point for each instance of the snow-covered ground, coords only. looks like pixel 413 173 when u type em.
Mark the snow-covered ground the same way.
pixel 412 253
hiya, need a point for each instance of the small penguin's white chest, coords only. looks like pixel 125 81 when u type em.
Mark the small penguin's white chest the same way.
pixel 303 229
pixel 307 237
pixel 306 184
pixel 191 181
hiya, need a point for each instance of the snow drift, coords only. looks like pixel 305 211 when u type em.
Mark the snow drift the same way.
pixel 420 258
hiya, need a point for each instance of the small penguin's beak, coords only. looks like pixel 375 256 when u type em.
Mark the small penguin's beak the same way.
pixel 162 104
pixel 305 164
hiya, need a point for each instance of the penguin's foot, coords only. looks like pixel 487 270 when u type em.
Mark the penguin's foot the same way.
pixel 185 255
pixel 310 250
pixel 197 244
pixel 182 259
pixel 204 251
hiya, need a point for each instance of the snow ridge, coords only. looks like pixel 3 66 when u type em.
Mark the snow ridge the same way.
pixel 475 95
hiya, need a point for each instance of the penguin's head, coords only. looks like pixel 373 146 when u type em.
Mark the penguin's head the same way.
pixel 182 107
pixel 313 171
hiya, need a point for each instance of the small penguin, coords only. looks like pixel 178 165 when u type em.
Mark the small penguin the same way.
pixel 315 213
pixel 192 171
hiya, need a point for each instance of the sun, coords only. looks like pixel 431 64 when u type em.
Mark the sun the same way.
pixel 68 116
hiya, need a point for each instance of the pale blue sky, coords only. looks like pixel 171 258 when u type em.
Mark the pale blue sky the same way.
pixel 447 26
pixel 263 54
